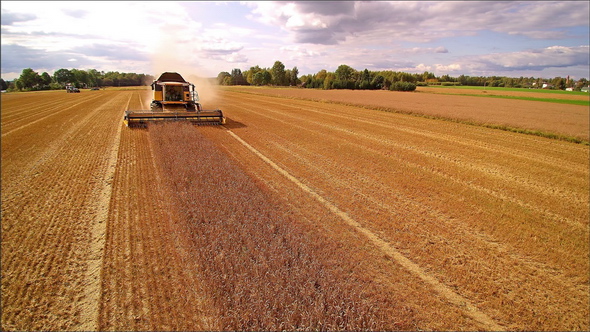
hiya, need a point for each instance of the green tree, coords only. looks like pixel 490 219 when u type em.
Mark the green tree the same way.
pixel 3 84
pixel 318 79
pixel 306 80
pixel 365 80
pixel 113 78
pixel 262 77
pixel 80 77
pixel 29 79
pixel 45 78
pixel 321 75
pixel 63 76
pixel 221 77
pixel 378 81
pixel 559 83
pixel 237 78
pixel 278 73
pixel 344 73
pixel 345 77
pixel 266 77
pixel 403 86
pixel 249 74
pixel 293 80
pixel 428 76
pixel 329 81
pixel 582 82
pixel 95 78
pixel 18 85
pixel 257 79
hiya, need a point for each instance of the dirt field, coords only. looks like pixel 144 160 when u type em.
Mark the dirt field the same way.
pixel 569 120
pixel 296 214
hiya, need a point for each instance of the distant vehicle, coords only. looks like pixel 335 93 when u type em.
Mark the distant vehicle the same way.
pixel 71 89
pixel 95 88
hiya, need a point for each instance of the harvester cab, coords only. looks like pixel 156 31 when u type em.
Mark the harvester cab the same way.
pixel 174 99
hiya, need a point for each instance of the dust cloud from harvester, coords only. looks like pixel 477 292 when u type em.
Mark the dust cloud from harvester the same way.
pixel 173 56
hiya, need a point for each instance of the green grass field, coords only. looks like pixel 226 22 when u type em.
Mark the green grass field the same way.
pixel 465 87
pixel 499 90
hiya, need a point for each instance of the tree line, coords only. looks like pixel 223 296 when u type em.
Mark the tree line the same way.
pixel 346 77
pixel 30 80
pixel 277 76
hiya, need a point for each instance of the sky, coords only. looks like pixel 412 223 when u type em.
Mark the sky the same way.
pixel 476 38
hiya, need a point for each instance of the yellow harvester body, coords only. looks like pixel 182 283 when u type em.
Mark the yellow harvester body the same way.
pixel 174 99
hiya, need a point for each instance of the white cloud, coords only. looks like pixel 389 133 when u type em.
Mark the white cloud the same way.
pixel 537 34
pixel 220 47
pixel 71 26
pixel 422 68
pixel 10 18
pixel 447 69
pixel 298 52
pixel 396 35
pixel 336 22
pixel 425 50
pixel 553 56
pixel 545 62
pixel 235 58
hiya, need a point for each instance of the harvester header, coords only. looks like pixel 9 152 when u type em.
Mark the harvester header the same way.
pixel 174 99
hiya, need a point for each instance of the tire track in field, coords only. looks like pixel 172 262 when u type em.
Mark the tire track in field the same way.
pixel 410 205
pixel 468 142
pixel 91 303
pixel 49 115
pixel 482 168
pixel 18 105
pixel 385 247
pixel 554 216
pixel 378 113
pixel 48 221
pixel 148 275
pixel 538 266
pixel 288 143
pixel 491 172
pixel 59 143
pixel 289 147
pixel 17 114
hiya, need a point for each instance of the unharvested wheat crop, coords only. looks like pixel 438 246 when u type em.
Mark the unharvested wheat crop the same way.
pixel 261 269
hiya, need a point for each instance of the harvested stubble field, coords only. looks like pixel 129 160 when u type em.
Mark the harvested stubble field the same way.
pixel 297 214
pixel 569 121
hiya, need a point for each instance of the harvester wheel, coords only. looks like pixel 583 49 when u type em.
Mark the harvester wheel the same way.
pixel 156 107
pixel 190 106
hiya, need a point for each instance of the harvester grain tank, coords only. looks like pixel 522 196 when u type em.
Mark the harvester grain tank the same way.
pixel 174 99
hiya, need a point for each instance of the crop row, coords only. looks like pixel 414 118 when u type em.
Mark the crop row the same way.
pixel 499 217
pixel 261 269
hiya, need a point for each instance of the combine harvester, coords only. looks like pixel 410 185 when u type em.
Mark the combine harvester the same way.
pixel 174 100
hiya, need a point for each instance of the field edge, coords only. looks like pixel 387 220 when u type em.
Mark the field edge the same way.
pixel 498 126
